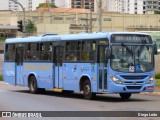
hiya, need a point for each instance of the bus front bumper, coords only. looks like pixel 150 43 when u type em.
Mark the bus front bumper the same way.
pixel 121 88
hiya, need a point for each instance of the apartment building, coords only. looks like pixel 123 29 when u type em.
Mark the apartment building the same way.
pixel 125 6
pixel 138 7
pixel 29 5
pixel 149 6
pixel 86 4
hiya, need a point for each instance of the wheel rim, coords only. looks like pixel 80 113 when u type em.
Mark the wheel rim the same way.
pixel 87 89
pixel 32 85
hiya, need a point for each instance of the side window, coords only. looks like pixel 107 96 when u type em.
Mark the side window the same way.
pixel 10 52
pixel 73 51
pixel 88 51
pixel 46 51
pixel 32 52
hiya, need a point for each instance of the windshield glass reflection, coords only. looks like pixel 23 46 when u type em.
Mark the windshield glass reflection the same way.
pixel 136 58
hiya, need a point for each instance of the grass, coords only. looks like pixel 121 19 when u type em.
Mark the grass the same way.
pixel 1 78
pixel 157 83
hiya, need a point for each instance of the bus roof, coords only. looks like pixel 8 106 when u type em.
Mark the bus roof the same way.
pixel 80 36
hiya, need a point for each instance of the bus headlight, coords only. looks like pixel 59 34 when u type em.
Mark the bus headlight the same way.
pixel 115 79
pixel 151 79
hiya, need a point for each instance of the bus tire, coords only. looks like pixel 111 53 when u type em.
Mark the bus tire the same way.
pixel 125 96
pixel 33 85
pixel 87 90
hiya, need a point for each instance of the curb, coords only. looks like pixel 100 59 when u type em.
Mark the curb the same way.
pixel 153 93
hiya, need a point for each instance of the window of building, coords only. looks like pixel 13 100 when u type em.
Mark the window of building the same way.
pixel 107 19
pixel 34 18
pixel 57 18
pixel 94 19
pixel 155 2
pixel 70 18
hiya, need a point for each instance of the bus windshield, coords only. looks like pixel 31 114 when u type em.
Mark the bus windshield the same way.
pixel 127 58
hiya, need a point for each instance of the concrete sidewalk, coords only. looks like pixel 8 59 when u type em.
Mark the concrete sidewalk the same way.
pixel 156 92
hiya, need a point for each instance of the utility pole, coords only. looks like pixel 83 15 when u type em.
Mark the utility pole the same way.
pixel 100 15
pixel 90 16
pixel 87 22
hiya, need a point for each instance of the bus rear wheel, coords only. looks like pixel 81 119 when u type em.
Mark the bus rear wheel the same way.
pixel 125 96
pixel 87 90
pixel 33 85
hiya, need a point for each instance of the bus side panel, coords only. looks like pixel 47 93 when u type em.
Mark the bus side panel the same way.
pixel 72 73
pixel 43 73
pixel 9 72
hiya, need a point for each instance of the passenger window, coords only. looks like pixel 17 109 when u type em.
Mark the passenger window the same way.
pixel 45 51
pixel 73 51
pixel 32 52
pixel 10 52
pixel 88 50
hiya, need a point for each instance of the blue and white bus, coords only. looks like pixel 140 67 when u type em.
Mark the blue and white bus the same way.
pixel 106 62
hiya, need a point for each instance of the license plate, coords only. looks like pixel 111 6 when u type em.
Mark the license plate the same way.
pixel 150 88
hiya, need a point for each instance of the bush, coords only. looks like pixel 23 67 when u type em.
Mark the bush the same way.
pixel 157 82
pixel 157 76
pixel 1 78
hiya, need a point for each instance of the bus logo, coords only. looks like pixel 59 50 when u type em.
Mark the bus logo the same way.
pixel 6 114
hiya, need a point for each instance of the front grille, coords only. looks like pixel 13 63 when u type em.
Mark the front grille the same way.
pixel 134 87
pixel 133 82
pixel 139 77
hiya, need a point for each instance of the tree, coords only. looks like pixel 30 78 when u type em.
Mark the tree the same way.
pixel 46 5
pixel 30 27
pixel 157 12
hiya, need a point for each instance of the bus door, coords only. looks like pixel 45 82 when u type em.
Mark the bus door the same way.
pixel 102 61
pixel 19 65
pixel 58 58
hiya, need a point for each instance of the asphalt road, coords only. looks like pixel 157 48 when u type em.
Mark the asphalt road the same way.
pixel 19 99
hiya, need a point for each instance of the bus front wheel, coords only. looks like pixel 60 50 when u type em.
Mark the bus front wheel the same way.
pixel 125 96
pixel 33 85
pixel 87 90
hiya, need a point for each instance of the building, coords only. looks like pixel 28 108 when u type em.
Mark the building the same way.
pixel 32 4
pixel 138 7
pixel 81 4
pixel 86 4
pixel 76 4
pixel 29 5
pixel 63 3
pixel 149 6
pixel 8 24
pixel 125 6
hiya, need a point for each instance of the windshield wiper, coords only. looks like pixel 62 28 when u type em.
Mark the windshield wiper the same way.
pixel 127 48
